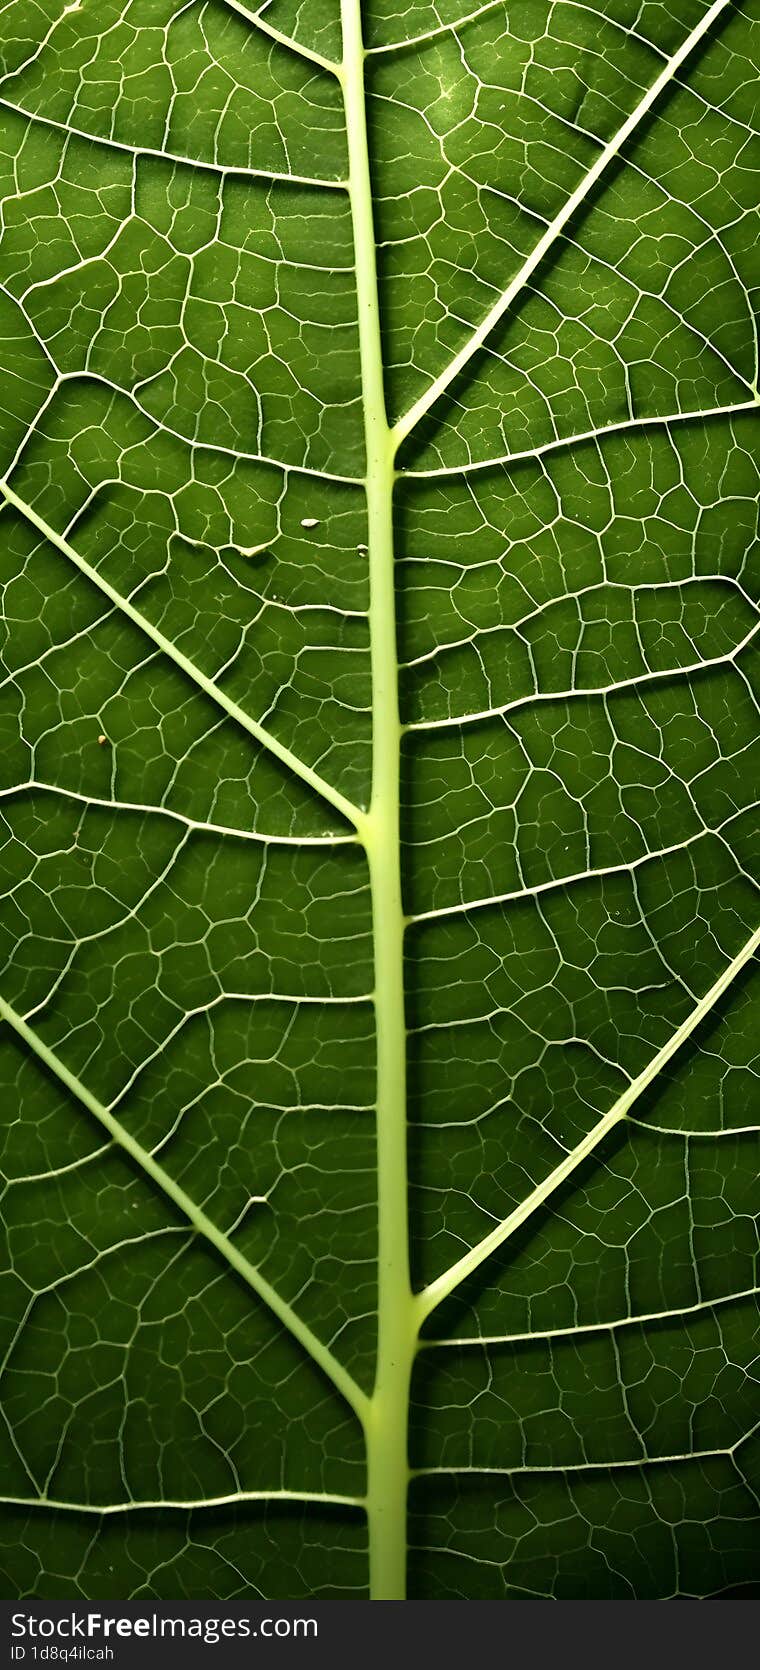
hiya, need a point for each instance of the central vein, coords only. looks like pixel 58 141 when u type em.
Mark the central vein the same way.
pixel 388 1417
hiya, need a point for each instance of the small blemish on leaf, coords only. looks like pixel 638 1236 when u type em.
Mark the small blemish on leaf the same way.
pixel 309 522
pixel 102 739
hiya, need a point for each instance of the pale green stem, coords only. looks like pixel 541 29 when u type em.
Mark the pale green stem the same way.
pixel 388 1416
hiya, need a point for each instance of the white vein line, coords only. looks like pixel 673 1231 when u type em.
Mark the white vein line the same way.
pixel 478 337
pixel 284 754
pixel 492 5
pixel 445 1284
pixel 431 34
pixel 160 427
pixel 284 467
pixel 690 1133
pixel 534 891
pixel 196 1217
pixel 179 1504
pixel 227 171
pixel 32 1177
pixel 647 676
pixel 584 435
pixel 258 20
pixel 35 786
pixel 451 1343
pixel 631 589
pixel 611 1466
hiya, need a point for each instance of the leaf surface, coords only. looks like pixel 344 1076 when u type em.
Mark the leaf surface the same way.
pixel 378 839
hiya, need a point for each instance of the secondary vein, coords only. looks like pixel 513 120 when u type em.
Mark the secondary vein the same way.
pixel 452 1278
pixel 612 150
pixel 201 1223
pixel 299 767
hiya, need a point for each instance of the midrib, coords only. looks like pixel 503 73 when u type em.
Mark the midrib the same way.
pixel 387 1418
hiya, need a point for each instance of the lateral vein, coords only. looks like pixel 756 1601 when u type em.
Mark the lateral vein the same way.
pixel 178 1505
pixel 483 1341
pixel 476 340
pixel 199 1220
pixel 259 22
pixel 581 438
pixel 452 1278
pixel 312 778
pixel 223 169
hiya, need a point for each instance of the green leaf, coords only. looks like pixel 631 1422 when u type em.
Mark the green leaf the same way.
pixel 379 742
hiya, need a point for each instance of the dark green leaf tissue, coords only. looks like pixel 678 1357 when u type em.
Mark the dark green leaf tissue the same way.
pixel 379 754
